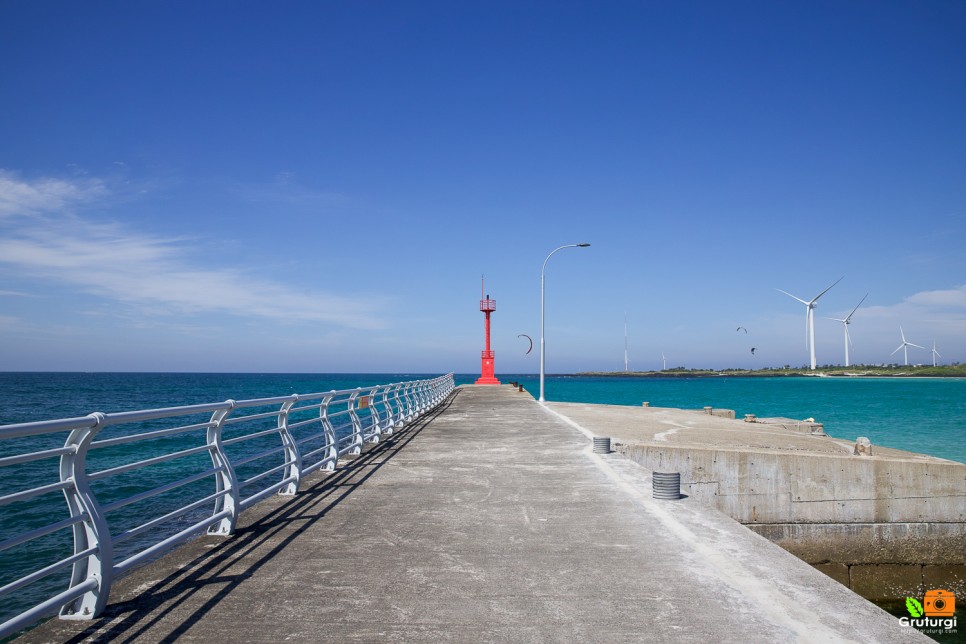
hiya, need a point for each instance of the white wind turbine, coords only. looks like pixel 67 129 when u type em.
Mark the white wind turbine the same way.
pixel 904 346
pixel 935 354
pixel 810 317
pixel 845 323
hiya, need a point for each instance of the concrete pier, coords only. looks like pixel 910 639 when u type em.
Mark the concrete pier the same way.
pixel 491 519
pixel 889 524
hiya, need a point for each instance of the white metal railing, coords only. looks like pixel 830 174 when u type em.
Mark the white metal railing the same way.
pixel 139 483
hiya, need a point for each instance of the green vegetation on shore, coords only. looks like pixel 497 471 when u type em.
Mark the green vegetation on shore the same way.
pixel 887 371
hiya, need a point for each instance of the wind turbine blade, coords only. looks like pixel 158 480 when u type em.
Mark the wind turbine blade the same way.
pixel 897 349
pixel 911 344
pixel 849 316
pixel 847 336
pixel 902 333
pixel 815 299
pixel 792 296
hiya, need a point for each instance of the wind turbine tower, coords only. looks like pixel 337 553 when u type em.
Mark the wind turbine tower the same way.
pixel 845 324
pixel 935 354
pixel 625 344
pixel 810 317
pixel 905 347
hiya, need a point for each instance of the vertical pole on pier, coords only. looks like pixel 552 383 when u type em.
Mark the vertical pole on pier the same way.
pixel 487 366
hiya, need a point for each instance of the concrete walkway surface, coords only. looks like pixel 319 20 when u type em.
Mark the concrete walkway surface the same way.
pixel 490 520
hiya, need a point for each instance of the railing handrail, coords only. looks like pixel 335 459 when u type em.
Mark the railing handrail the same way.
pixel 310 432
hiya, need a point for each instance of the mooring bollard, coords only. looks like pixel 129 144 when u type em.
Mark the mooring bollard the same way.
pixel 601 445
pixel 666 485
pixel 863 446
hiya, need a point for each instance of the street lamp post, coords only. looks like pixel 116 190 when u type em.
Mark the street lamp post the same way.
pixel 543 354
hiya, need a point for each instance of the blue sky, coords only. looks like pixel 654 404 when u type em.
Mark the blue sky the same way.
pixel 319 186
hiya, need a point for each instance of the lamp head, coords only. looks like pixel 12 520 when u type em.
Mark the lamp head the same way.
pixel 583 245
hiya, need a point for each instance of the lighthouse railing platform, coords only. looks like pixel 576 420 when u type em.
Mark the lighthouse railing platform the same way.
pixel 138 483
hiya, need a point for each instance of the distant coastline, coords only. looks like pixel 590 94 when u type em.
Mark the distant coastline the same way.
pixel 860 371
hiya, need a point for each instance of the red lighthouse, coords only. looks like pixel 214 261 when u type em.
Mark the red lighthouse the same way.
pixel 486 369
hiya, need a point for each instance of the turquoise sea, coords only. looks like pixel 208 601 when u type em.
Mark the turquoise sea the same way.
pixel 920 415
pixel 926 415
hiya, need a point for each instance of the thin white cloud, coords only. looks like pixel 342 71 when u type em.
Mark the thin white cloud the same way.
pixel 19 197
pixel 286 189
pixel 949 298
pixel 946 304
pixel 144 270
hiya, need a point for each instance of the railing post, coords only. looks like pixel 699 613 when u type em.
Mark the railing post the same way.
pixel 225 479
pixel 357 440
pixel 414 392
pixel 422 390
pixel 439 388
pixel 449 384
pixel 387 423
pixel 91 535
pixel 292 455
pixel 418 398
pixel 398 417
pixel 436 387
pixel 407 395
pixel 375 426
pixel 331 449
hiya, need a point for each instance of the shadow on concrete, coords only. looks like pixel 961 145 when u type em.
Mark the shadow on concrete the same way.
pixel 206 561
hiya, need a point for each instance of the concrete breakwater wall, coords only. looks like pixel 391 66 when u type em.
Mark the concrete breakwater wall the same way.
pixel 888 524
pixel 885 528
